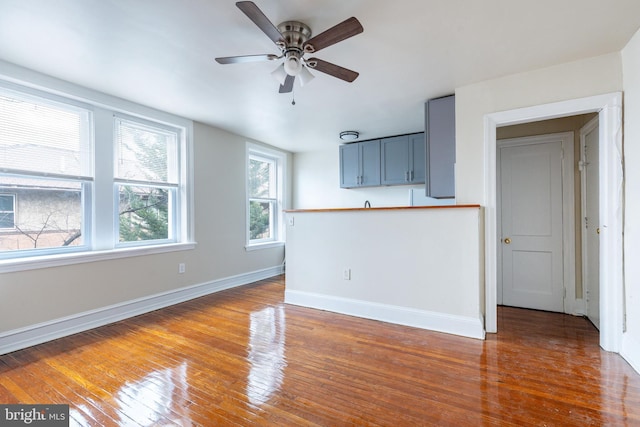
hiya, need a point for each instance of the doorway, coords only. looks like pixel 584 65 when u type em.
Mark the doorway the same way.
pixel 609 107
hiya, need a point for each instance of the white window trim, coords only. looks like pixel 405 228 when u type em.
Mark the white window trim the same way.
pixel 175 216
pixel 281 165
pixel 104 107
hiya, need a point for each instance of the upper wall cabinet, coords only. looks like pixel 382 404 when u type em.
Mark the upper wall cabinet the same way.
pixel 402 159
pixel 440 117
pixel 360 164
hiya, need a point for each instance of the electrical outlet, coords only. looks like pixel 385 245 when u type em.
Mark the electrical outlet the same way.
pixel 182 267
pixel 291 221
pixel 346 274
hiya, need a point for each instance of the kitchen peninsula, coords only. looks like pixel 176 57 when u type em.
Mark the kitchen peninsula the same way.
pixel 405 265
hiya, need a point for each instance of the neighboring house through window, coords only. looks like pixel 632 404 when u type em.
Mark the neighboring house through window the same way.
pixel 61 192
pixel 46 160
pixel 265 192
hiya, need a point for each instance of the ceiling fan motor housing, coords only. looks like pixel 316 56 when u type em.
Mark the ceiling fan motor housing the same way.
pixel 295 34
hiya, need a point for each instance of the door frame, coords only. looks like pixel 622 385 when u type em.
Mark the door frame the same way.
pixel 568 210
pixel 609 108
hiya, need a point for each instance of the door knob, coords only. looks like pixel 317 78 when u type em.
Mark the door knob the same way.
pixel 507 241
pixel 598 230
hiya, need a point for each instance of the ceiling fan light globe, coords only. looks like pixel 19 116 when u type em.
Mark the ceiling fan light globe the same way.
pixel 292 65
pixel 305 76
pixel 279 74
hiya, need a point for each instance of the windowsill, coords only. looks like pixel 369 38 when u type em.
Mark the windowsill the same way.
pixel 47 261
pixel 268 245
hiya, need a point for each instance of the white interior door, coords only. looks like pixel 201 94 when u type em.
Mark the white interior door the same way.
pixel 530 180
pixel 589 138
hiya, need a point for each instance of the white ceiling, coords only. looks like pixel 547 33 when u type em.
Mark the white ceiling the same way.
pixel 160 53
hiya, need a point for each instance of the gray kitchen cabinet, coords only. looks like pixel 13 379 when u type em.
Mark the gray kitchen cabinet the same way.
pixel 360 164
pixel 419 144
pixel 402 159
pixel 440 154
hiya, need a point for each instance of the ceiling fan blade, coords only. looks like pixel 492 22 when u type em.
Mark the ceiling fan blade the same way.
pixel 332 69
pixel 255 14
pixel 288 84
pixel 246 58
pixel 333 35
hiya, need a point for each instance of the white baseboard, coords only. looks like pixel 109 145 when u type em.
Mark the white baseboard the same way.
pixel 631 351
pixel 440 322
pixel 36 334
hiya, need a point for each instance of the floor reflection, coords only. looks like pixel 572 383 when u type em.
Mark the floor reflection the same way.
pixel 77 417
pixel 266 354
pixel 155 397
pixel 549 367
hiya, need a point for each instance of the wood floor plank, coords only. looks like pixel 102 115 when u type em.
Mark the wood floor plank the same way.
pixel 243 357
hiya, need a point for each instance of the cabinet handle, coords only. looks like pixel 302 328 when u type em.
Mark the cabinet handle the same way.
pixel 406 176
pixel 411 176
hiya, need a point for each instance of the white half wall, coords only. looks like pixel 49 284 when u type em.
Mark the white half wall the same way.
pixel 418 267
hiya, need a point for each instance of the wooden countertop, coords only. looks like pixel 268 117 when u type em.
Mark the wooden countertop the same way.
pixel 390 208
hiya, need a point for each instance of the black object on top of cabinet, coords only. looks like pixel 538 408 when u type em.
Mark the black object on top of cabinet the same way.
pixel 360 164
pixel 440 122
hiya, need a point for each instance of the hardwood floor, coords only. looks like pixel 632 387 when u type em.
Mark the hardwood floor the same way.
pixel 242 357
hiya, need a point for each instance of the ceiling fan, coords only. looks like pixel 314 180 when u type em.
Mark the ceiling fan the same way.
pixel 294 40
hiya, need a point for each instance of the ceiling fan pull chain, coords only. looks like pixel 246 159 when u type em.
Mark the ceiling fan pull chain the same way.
pixel 293 97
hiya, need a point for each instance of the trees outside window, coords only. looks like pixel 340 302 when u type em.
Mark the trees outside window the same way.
pixel 146 181
pixel 49 187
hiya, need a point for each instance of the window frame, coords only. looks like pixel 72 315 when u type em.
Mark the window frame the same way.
pixel 99 223
pixel 172 185
pixel 277 203
pixel 84 178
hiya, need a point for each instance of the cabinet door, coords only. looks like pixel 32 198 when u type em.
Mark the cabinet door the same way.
pixel 418 163
pixel 441 147
pixel 395 154
pixel 349 165
pixel 370 163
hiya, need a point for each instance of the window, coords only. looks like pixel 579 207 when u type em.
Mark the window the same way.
pixel 61 192
pixel 146 181
pixel 46 160
pixel 7 211
pixel 265 185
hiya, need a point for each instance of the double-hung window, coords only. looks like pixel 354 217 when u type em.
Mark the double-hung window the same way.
pixel 265 192
pixel 46 175
pixel 77 176
pixel 146 181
